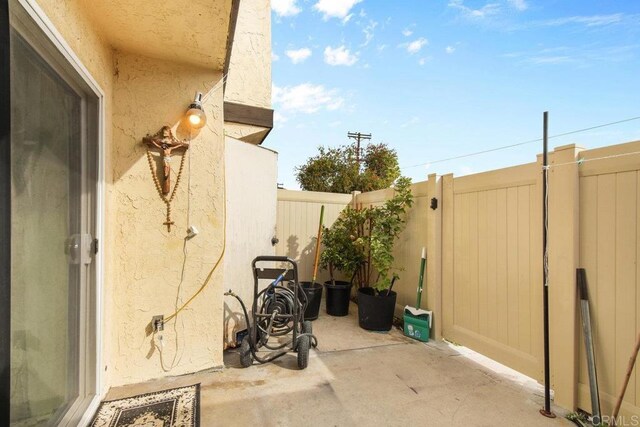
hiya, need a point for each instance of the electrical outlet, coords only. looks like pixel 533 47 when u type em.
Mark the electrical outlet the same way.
pixel 157 323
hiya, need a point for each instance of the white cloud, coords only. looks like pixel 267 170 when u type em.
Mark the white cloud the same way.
pixel 519 4
pixel 306 98
pixel 416 45
pixel 369 32
pixel 550 60
pixel 407 32
pixel 487 10
pixel 422 61
pixel 381 47
pixel 339 56
pixel 274 57
pixel 449 49
pixel 285 7
pixel 279 118
pixel 299 55
pixel 589 21
pixel 335 8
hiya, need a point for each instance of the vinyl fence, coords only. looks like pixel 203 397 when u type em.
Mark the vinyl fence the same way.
pixel 484 261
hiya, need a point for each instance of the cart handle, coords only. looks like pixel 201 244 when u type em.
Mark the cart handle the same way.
pixel 273 258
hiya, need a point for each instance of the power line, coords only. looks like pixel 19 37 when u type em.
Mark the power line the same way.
pixel 521 143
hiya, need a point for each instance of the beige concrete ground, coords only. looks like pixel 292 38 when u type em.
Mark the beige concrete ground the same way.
pixel 360 378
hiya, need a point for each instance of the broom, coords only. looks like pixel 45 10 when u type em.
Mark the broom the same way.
pixel 417 322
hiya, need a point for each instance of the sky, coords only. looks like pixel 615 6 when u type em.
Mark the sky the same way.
pixel 438 79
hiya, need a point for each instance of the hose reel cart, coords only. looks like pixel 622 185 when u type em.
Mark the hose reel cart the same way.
pixel 277 317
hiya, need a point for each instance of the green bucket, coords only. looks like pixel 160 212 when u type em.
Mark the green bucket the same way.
pixel 417 323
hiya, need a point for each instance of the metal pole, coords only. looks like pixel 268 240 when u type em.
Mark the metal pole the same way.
pixel 546 411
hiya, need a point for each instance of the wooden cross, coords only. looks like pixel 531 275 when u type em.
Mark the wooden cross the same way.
pixel 164 141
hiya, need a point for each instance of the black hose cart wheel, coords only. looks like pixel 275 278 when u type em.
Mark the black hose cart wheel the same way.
pixel 304 342
pixel 246 358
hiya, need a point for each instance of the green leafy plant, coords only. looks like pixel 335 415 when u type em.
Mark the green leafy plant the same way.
pixel 336 170
pixel 360 242
pixel 340 252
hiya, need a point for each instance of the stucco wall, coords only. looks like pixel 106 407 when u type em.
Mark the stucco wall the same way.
pixel 249 80
pixel 144 263
pixel 156 271
pixel 251 195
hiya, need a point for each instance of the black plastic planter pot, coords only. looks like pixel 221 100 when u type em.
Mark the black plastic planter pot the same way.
pixel 338 297
pixel 375 312
pixel 313 291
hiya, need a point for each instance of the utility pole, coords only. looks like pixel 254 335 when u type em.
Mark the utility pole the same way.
pixel 357 136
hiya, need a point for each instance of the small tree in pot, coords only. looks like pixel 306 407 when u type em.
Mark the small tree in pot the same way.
pixel 340 254
pixel 380 227
pixel 360 243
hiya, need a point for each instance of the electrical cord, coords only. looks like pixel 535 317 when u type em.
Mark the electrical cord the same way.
pixel 220 257
pixel 174 315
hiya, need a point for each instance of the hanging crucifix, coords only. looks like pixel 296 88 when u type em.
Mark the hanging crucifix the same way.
pixel 166 143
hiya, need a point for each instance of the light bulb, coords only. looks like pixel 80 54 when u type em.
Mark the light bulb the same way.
pixel 195 114
pixel 194 119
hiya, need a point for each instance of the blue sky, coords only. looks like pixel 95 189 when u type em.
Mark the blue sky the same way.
pixel 435 79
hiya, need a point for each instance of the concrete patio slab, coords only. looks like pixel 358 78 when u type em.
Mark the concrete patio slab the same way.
pixel 358 378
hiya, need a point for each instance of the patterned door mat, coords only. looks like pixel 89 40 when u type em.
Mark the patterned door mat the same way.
pixel 174 407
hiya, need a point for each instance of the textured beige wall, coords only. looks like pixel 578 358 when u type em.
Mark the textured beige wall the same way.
pixel 249 80
pixel 188 32
pixel 144 263
pixel 245 133
pixel 154 270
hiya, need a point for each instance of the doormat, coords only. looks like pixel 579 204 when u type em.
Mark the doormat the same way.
pixel 175 407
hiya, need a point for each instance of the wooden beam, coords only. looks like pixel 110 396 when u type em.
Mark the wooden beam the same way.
pixel 248 115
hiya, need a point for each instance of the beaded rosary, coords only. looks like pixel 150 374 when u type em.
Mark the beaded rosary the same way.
pixel 167 143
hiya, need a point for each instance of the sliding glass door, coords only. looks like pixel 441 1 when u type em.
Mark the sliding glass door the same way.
pixel 52 203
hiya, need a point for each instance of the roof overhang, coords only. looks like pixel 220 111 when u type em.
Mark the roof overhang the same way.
pixel 196 32
pixel 256 122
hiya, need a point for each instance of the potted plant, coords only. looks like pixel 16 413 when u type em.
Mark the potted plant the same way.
pixel 340 254
pixel 379 228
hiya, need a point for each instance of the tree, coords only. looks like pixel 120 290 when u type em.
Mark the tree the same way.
pixel 336 170
pixel 360 242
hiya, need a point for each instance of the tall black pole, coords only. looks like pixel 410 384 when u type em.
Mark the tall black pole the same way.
pixel 546 411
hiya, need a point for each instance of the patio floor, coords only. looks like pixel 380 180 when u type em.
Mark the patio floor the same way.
pixel 358 378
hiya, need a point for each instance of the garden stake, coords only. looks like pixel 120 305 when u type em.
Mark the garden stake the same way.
pixel 581 278
pixel 391 287
pixel 315 264
pixel 632 362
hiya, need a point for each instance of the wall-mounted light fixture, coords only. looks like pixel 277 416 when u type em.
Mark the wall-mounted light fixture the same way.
pixel 195 114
